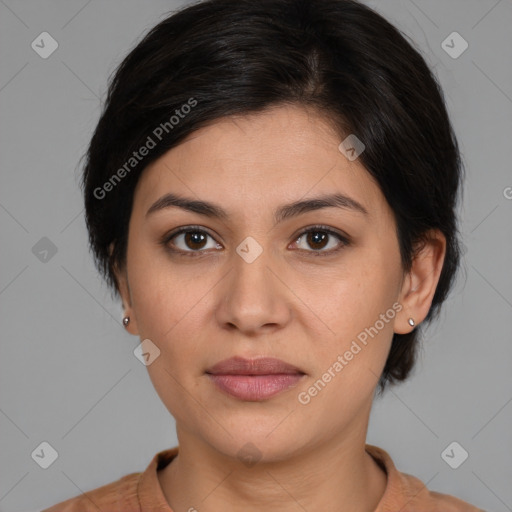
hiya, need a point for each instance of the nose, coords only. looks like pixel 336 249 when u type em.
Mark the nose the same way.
pixel 253 296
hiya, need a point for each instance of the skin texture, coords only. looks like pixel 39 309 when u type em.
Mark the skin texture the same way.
pixel 289 303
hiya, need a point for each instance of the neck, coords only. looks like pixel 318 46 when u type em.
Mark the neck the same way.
pixel 339 476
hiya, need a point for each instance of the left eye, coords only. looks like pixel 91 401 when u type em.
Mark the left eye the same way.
pixel 321 240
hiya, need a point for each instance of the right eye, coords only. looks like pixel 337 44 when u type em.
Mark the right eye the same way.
pixel 189 240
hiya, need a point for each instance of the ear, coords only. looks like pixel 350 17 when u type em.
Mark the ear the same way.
pixel 125 294
pixel 420 283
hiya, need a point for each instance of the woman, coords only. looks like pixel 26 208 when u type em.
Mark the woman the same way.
pixel 271 189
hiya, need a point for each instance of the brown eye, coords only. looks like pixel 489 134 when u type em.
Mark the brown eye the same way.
pixel 189 240
pixel 317 239
pixel 194 239
pixel 321 240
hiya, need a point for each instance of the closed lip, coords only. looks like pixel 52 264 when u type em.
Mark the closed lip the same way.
pixel 258 366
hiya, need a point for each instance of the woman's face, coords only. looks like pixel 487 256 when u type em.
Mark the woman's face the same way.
pixel 250 283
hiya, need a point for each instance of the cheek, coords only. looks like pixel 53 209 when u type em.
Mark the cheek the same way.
pixel 359 308
pixel 349 360
pixel 167 310
pixel 160 295
pixel 170 311
pixel 355 297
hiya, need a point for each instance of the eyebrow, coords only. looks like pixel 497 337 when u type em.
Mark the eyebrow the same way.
pixel 284 212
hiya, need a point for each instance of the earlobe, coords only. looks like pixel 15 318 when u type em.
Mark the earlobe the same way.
pixel 420 284
pixel 123 285
pixel 130 326
pixel 129 321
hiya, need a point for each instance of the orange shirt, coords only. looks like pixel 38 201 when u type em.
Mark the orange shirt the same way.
pixel 141 492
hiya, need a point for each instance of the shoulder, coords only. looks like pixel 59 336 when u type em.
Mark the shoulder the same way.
pixel 420 498
pixel 118 496
pixel 131 493
pixel 408 493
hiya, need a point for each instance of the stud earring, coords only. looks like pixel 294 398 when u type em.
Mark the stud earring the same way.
pixel 411 322
pixel 126 320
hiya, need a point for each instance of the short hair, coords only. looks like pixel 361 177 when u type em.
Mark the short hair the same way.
pixel 232 57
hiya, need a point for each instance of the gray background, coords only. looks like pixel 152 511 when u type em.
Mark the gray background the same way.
pixel 68 372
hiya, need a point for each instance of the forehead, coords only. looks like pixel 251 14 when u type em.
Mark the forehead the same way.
pixel 260 161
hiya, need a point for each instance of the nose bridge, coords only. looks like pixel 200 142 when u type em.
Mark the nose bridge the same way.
pixel 251 276
pixel 251 295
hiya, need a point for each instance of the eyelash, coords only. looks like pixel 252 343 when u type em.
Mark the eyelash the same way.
pixel 345 241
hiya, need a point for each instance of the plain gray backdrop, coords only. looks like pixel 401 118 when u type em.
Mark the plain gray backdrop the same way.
pixel 68 373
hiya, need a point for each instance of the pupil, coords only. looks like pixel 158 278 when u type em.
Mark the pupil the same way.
pixel 194 238
pixel 314 239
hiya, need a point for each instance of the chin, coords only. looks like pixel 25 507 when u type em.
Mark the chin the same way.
pixel 256 440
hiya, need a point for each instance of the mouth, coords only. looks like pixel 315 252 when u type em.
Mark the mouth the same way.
pixel 254 379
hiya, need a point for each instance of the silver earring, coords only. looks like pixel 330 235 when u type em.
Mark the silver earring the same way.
pixel 126 320
pixel 411 322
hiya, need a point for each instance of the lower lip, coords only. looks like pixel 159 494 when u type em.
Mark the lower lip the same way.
pixel 255 387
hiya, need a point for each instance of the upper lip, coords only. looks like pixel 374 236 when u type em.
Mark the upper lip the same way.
pixel 259 366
